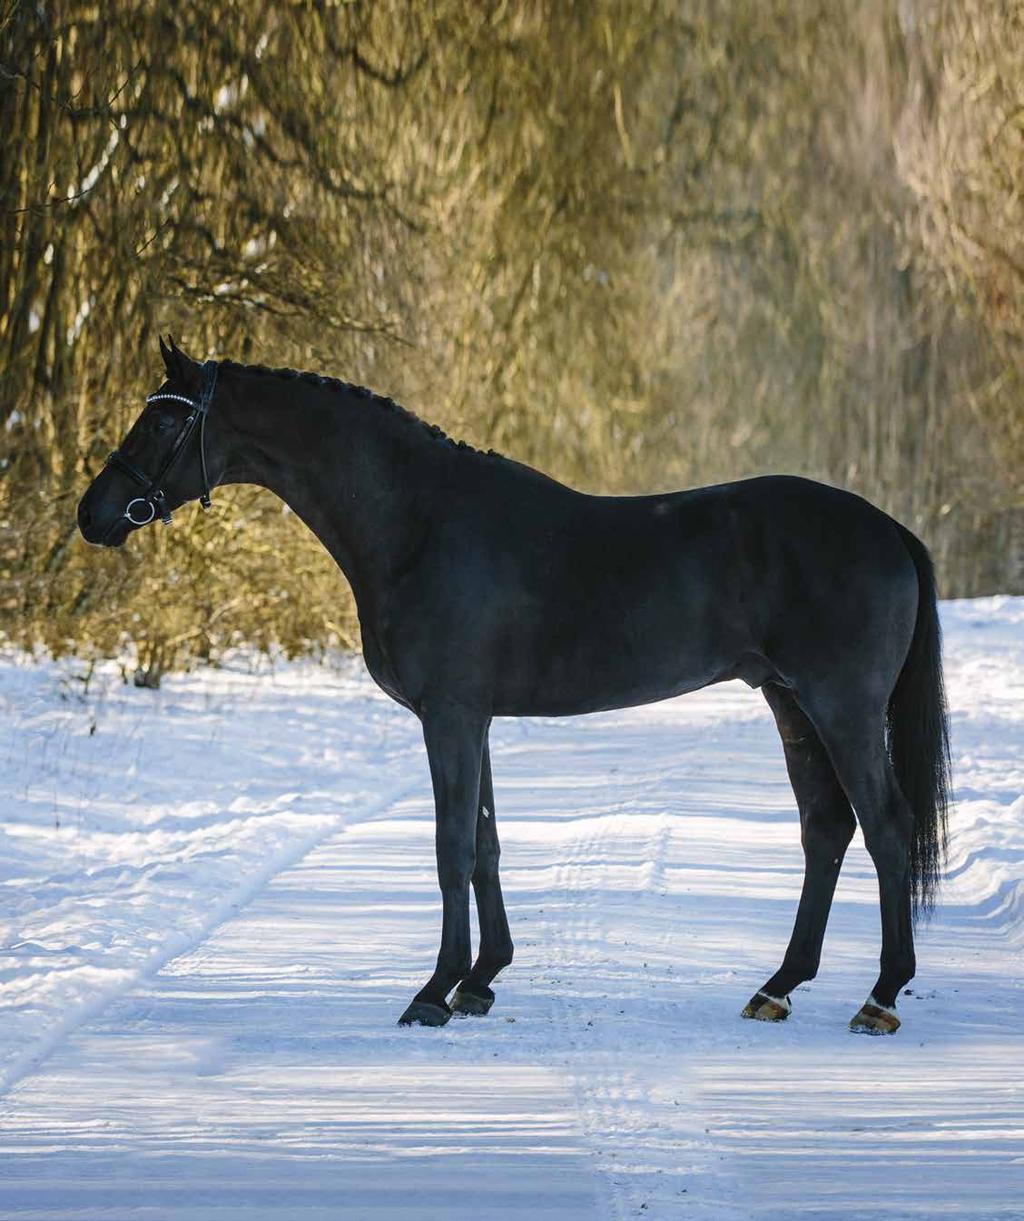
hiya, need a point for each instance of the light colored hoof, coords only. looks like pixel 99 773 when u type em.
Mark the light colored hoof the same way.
pixel 874 1018
pixel 764 1008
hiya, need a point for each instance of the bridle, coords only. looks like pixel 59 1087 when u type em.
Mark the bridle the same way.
pixel 153 497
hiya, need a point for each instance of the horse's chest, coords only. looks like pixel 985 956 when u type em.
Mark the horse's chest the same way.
pixel 381 668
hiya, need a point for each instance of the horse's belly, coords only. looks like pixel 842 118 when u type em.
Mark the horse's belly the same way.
pixel 595 671
pixel 572 700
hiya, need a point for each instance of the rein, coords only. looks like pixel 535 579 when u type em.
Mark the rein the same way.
pixel 153 497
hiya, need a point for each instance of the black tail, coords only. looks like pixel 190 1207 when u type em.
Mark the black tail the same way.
pixel 919 736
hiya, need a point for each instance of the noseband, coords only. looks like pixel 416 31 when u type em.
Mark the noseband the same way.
pixel 153 498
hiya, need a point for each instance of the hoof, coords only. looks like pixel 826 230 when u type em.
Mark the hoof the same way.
pixel 765 1008
pixel 874 1018
pixel 472 1000
pixel 425 1013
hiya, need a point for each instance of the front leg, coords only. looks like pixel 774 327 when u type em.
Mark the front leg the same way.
pixel 454 737
pixel 474 995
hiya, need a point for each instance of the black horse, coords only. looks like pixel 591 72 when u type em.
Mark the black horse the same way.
pixel 486 589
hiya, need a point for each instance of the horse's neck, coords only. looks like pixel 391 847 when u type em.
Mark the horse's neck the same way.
pixel 346 468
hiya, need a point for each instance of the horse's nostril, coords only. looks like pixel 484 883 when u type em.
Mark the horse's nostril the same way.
pixel 84 521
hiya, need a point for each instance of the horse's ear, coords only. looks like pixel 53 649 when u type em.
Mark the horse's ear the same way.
pixel 168 357
pixel 176 362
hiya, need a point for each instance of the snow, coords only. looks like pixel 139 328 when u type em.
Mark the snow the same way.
pixel 216 899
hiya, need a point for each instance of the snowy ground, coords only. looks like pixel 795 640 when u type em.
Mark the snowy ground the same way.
pixel 216 899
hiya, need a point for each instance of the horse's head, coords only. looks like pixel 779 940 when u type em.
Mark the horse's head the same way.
pixel 162 461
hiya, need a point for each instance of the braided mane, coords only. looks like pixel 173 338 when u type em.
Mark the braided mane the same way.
pixel 361 392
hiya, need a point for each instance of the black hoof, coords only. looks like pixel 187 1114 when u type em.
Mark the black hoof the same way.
pixel 472 1000
pixel 425 1013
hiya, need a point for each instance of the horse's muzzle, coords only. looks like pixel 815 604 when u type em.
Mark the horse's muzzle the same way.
pixel 102 526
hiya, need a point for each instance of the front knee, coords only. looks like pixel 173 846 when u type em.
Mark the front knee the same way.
pixel 455 869
pixel 486 866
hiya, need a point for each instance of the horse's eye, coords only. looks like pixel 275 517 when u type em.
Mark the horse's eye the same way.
pixel 161 422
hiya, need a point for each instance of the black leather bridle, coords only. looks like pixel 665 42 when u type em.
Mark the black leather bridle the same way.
pixel 153 497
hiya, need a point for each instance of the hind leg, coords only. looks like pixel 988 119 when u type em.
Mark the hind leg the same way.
pixel 826 828
pixel 856 745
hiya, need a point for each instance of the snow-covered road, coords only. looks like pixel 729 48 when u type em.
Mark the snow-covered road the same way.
pixel 216 900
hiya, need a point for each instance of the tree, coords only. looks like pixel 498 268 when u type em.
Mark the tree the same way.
pixel 638 245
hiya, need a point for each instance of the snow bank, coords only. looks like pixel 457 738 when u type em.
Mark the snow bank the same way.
pixel 134 821
pixel 985 676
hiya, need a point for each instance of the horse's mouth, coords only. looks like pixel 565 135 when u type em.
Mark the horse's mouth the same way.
pixel 118 533
pixel 114 535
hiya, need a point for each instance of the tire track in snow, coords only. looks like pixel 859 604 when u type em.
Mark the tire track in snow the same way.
pixel 635 933
pixel 598 1094
pixel 177 944
pixel 613 1101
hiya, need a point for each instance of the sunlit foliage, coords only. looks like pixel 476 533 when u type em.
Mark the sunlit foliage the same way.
pixel 640 245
